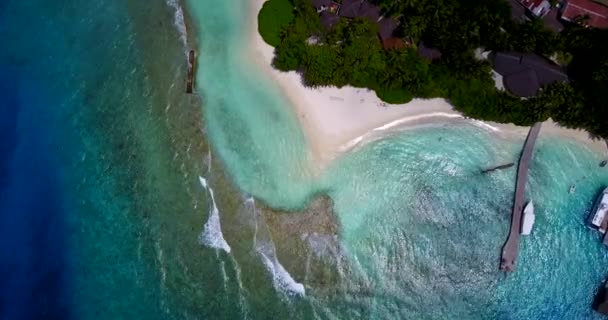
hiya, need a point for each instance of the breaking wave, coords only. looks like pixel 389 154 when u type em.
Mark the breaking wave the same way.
pixel 212 235
pixel 178 20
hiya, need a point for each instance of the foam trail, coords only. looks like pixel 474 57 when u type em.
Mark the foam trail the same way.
pixel 484 125
pixel 417 117
pixel 178 20
pixel 281 279
pixel 354 142
pixel 242 300
pixel 224 275
pixel 203 182
pixel 212 231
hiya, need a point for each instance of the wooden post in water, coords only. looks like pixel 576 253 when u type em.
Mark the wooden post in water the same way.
pixel 191 65
pixel 500 167
pixel 509 250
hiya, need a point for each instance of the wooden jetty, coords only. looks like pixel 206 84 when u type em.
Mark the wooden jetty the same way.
pixel 511 246
pixel 191 65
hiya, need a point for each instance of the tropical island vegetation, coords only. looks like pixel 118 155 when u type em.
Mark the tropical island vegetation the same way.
pixel 351 53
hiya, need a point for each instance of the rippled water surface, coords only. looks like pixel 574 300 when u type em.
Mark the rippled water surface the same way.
pixel 420 228
pixel 139 201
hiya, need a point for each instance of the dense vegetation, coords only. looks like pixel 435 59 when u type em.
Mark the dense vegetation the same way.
pixel 274 16
pixel 351 54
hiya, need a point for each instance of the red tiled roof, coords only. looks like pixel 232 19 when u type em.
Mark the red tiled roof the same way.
pixel 393 43
pixel 597 13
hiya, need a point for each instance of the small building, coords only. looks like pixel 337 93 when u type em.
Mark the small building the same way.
pixel 586 12
pixel 328 20
pixel 330 13
pixel 387 34
pixel 525 74
pixel 525 10
pixel 552 22
pixel 320 4
pixel 359 9
pixel 518 12
pixel 429 53
pixel 538 8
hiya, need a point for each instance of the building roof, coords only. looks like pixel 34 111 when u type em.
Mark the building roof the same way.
pixel 329 20
pixel 524 74
pixel 537 7
pixel 320 3
pixel 524 83
pixel 552 21
pixel 359 9
pixel 517 10
pixel 387 28
pixel 428 52
pixel 597 13
pixel 393 43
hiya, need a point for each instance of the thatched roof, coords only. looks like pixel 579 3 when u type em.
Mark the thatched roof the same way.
pixel 524 74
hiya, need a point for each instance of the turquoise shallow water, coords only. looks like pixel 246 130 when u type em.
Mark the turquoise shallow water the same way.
pixel 420 229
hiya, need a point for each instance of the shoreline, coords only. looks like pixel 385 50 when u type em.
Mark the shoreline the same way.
pixel 336 120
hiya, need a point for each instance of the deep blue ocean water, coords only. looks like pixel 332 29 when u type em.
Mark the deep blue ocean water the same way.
pixel 63 208
pixel 33 251
pixel 34 264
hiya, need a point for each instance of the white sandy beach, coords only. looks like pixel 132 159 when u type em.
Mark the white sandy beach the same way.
pixel 336 120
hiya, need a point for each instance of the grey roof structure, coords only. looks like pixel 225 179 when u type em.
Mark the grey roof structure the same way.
pixel 524 74
pixel 359 9
pixel 518 12
pixel 329 20
pixel 351 9
pixel 387 28
pixel 552 21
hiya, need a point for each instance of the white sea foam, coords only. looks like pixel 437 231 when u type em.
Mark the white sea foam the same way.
pixel 212 231
pixel 356 141
pixel 281 279
pixel 484 125
pixel 203 182
pixel 178 20
pixel 417 117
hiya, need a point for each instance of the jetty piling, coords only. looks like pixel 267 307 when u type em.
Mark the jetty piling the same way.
pixel 500 167
pixel 191 65
pixel 511 246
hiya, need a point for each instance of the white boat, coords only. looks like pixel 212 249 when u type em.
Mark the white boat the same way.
pixel 597 218
pixel 528 220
